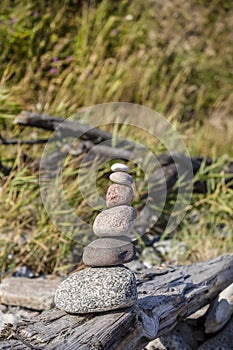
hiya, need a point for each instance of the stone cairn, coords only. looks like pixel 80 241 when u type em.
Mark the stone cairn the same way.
pixel 106 284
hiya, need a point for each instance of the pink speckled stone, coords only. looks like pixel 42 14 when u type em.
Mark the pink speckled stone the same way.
pixel 118 195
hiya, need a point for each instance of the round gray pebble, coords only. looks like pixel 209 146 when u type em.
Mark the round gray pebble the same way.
pixel 120 167
pixel 108 252
pixel 96 290
pixel 116 221
pixel 121 178
pixel 118 195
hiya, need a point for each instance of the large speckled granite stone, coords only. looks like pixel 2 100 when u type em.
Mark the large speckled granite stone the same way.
pixel 108 252
pixel 116 221
pixel 97 290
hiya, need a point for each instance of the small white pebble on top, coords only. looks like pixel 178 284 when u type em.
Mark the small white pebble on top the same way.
pixel 120 167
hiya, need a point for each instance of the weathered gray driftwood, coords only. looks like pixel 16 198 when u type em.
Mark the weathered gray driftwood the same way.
pixel 91 136
pixel 31 293
pixel 67 128
pixel 165 297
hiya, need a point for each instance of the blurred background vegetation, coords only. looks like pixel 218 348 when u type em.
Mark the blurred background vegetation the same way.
pixel 174 57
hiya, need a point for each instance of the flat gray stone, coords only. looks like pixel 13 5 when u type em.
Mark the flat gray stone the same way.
pixel 108 252
pixel 121 178
pixel 32 293
pixel 118 195
pixel 220 311
pixel 222 341
pixel 96 290
pixel 120 167
pixel 116 221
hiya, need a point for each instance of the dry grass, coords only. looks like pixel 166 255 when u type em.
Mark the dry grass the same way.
pixel 172 56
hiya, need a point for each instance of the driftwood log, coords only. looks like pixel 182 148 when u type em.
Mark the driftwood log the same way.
pixel 65 127
pixel 166 296
pixel 90 137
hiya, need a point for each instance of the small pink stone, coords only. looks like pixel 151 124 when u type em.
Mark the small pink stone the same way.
pixel 118 195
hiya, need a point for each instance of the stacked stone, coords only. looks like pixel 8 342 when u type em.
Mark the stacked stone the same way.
pixel 106 284
pixel 113 225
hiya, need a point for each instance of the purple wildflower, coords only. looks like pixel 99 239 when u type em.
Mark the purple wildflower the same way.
pixel 55 59
pixel 68 58
pixel 13 20
pixel 35 13
pixel 53 70
pixel 114 32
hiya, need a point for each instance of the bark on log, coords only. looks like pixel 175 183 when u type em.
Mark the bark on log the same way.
pixel 65 127
pixel 6 142
pixel 166 296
